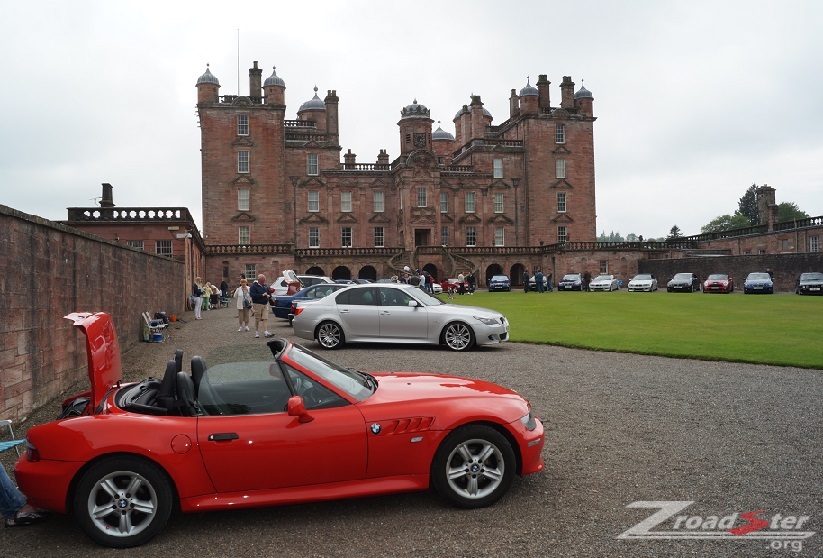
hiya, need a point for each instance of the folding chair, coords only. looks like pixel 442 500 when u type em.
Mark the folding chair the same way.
pixel 5 445
pixel 157 328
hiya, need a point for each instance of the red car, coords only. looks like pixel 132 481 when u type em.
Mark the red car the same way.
pixel 450 284
pixel 297 428
pixel 718 283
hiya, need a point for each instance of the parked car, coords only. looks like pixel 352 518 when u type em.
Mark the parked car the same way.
pixel 718 283
pixel 643 282
pixel 570 282
pixel 687 282
pixel 289 283
pixel 387 313
pixel 758 282
pixel 353 281
pixel 809 283
pixel 604 283
pixel 258 433
pixel 437 288
pixel 500 283
pixel 447 284
pixel 282 305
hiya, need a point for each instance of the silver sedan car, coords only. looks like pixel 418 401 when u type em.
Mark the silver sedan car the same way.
pixel 397 313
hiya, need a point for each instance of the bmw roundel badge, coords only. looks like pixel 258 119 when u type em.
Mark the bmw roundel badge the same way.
pixel 375 428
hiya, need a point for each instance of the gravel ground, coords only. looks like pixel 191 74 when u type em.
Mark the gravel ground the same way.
pixel 620 428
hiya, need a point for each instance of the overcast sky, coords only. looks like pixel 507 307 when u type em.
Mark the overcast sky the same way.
pixel 695 101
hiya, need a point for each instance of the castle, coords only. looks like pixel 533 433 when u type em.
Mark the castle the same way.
pixel 276 194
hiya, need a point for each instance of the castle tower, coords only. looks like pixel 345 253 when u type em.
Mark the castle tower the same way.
pixel 208 88
pixel 415 128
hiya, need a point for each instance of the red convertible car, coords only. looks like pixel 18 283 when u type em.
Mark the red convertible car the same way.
pixel 296 428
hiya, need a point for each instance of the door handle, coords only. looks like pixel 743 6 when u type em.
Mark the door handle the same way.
pixel 343 311
pixel 223 437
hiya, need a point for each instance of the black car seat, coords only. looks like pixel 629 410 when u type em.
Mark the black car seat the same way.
pixel 198 369
pixel 165 393
pixel 185 401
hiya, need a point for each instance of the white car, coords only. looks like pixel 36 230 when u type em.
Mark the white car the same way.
pixel 436 288
pixel 397 313
pixel 604 283
pixel 281 286
pixel 643 282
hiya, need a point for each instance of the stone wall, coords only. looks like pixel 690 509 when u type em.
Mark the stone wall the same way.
pixel 48 270
pixel 786 267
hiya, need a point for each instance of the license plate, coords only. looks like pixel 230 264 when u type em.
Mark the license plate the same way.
pixel 814 288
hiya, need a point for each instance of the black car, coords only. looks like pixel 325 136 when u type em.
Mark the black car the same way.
pixel 809 284
pixel 686 282
pixel 570 282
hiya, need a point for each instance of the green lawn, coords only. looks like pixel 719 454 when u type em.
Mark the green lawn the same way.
pixel 781 329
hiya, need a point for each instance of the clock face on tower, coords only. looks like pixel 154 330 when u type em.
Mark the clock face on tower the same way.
pixel 420 140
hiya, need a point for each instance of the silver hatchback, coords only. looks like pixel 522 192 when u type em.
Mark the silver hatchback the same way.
pixel 397 313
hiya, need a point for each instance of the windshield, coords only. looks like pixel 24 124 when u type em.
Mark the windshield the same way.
pixel 500 278
pixel 642 278
pixel 355 383
pixel 683 277
pixel 571 277
pixel 603 278
pixel 758 277
pixel 811 276
pixel 717 277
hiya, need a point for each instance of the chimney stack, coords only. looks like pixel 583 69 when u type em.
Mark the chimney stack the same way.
pixel 108 196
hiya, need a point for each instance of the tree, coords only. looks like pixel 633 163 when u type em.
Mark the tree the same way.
pixel 726 223
pixel 674 233
pixel 788 211
pixel 631 237
pixel 747 206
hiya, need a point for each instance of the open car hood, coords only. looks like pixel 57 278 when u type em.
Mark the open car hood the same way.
pixel 102 352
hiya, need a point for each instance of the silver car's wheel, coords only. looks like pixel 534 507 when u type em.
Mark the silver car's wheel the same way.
pixel 473 467
pixel 330 335
pixel 123 502
pixel 458 336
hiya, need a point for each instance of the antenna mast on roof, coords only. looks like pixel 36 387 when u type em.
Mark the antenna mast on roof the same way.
pixel 238 62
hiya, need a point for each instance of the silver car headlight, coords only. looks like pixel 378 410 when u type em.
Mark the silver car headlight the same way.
pixel 485 320
pixel 529 421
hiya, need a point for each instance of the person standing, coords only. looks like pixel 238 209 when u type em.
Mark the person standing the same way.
pixel 538 278
pixel 461 284
pixel 224 289
pixel 13 506
pixel 587 278
pixel 197 295
pixel 549 282
pixel 525 281
pixel 260 297
pixel 470 280
pixel 244 303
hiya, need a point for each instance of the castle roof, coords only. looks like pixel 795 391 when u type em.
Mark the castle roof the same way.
pixel 315 103
pixel 441 134
pixel 415 110
pixel 529 90
pixel 274 79
pixel 583 93
pixel 207 77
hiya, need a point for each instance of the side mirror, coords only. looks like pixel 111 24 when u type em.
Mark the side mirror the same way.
pixel 296 408
pixel 413 303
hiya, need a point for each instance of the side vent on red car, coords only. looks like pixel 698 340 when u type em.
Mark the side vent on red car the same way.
pixel 407 425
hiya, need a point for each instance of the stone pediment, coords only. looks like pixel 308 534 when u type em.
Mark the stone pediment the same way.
pixel 562 218
pixel 421 159
pixel 379 218
pixel 313 219
pixel 312 182
pixel 347 184
pixel 241 101
pixel 561 150
pixel 243 180
pixel 243 218
pixel 499 185
pixel 562 183
pixel 500 219
pixel 313 144
pixel 446 218
pixel 378 184
pixel 346 218
pixel 242 142
pixel 560 113
pixel 469 219
pixel 426 219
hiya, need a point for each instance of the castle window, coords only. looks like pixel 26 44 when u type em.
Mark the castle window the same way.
pixel 242 124
pixel 244 234
pixel 498 168
pixel 345 237
pixel 814 244
pixel 251 271
pixel 314 201
pixel 444 236
pixel 499 236
pixel 560 168
pixel 162 247
pixel 421 197
pixel 471 236
pixel 444 202
pixel 311 164
pixel 135 244
pixel 379 202
pixel 562 236
pixel 345 202
pixel 314 237
pixel 379 238
pixel 559 133
pixel 498 202
pixel 408 138
pixel 471 202
pixel 604 266
pixel 561 202
pixel 243 199
pixel 242 161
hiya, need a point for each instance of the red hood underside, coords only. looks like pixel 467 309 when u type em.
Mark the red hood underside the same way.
pixel 102 352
